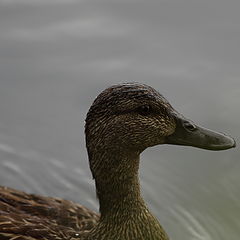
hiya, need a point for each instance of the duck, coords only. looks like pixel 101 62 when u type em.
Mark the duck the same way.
pixel 122 122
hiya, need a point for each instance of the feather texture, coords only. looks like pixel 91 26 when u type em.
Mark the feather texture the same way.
pixel 29 216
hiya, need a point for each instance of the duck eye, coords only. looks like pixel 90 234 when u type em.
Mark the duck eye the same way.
pixel 144 110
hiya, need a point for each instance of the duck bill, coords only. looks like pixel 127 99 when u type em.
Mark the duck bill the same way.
pixel 188 133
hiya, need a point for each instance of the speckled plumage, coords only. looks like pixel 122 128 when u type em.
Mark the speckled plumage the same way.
pixel 29 216
pixel 122 122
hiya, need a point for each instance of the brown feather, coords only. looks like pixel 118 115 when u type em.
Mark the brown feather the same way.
pixel 28 216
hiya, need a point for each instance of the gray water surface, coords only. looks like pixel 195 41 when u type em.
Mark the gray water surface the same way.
pixel 56 56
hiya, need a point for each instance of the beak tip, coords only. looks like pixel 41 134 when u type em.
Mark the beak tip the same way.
pixel 230 142
pixel 227 142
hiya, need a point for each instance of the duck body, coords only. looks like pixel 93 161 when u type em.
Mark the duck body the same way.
pixel 122 122
pixel 29 216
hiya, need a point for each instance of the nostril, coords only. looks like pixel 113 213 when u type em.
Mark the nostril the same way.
pixel 189 126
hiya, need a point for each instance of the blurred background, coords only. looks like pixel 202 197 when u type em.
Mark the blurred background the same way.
pixel 57 55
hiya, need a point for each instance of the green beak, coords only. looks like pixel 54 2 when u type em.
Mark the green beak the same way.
pixel 189 134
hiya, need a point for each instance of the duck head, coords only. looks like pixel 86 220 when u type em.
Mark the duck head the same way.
pixel 132 117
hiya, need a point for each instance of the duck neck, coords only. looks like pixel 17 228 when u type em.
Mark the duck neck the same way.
pixel 124 214
pixel 118 186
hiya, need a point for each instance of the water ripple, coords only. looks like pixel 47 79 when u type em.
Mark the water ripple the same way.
pixel 6 148
pixel 195 228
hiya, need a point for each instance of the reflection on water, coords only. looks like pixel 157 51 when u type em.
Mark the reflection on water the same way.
pixel 52 67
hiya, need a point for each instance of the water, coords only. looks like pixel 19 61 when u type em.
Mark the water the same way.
pixel 56 56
